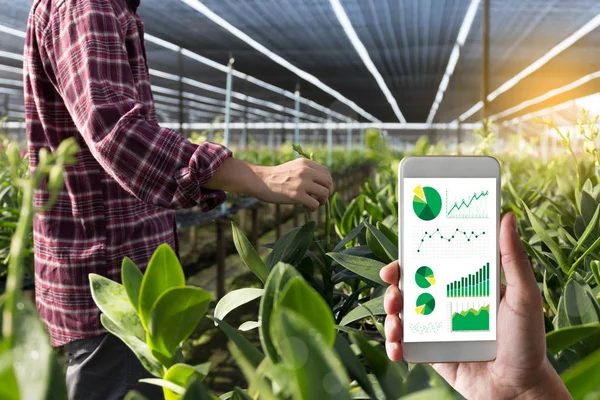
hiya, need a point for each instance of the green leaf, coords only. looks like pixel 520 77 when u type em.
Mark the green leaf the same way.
pixel 250 352
pixel 303 299
pixel 235 299
pixel 566 337
pixel 255 380
pixel 583 377
pixel 179 390
pixel 591 227
pixel 30 356
pixel 9 389
pixel 578 305
pixel 278 278
pixel 134 395
pixel 292 246
pixel 175 316
pixel 337 206
pixel 138 346
pixel 390 234
pixel 248 326
pixel 132 277
pixel 389 375
pixel 588 207
pixel 111 298
pixel 349 237
pixel 239 394
pixel 180 375
pixel 390 249
pixel 248 254
pixel 547 294
pixel 364 267
pixel 554 247
pixel 561 320
pixel 353 365
pixel 362 311
pixel 318 373
pixel 163 273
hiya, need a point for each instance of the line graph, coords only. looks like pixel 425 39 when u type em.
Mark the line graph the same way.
pixel 475 206
pixel 455 243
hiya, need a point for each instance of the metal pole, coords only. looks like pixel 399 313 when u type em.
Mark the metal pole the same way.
pixel 244 143
pixel 362 141
pixel 485 58
pixel 349 140
pixel 180 90
pixel 329 144
pixel 271 145
pixel 227 112
pixel 297 117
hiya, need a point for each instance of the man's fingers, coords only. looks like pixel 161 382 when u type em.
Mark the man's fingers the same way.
pixel 391 273
pixel 392 301
pixel 308 201
pixel 318 191
pixel 324 180
pixel 393 328
pixel 394 350
pixel 514 258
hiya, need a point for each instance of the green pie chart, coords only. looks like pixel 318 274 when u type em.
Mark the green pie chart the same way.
pixel 427 203
pixel 424 277
pixel 425 304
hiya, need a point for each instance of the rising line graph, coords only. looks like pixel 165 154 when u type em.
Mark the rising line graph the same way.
pixel 475 207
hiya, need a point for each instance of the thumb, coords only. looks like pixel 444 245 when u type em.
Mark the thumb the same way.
pixel 513 256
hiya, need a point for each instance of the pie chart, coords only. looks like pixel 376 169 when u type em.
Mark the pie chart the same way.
pixel 424 277
pixel 425 304
pixel 427 202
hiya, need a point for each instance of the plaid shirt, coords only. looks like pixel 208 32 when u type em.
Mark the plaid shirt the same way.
pixel 86 77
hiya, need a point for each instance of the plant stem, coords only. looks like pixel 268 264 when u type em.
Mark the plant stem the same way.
pixel 570 150
pixel 327 224
pixel 14 280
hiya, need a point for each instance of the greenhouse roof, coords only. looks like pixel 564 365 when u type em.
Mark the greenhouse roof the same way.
pixel 409 45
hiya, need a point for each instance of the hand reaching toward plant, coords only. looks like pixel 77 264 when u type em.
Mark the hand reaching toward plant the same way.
pixel 300 181
pixel 521 369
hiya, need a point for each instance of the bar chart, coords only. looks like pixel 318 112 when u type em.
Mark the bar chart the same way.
pixel 473 285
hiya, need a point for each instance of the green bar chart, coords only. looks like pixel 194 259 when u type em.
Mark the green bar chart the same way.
pixel 473 285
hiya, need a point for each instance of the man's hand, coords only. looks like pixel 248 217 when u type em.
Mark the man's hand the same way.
pixel 300 181
pixel 521 369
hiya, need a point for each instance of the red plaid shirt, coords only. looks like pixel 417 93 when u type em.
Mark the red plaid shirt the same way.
pixel 86 77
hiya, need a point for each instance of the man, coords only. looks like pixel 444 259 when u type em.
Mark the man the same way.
pixel 521 369
pixel 86 77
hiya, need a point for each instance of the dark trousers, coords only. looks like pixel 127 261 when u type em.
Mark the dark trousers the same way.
pixel 104 368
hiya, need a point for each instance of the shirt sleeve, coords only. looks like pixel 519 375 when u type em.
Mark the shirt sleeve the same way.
pixel 86 49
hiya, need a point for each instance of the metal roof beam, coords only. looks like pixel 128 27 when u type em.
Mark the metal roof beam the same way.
pixel 546 96
pixel 537 64
pixel 465 28
pixel 360 48
pixel 201 8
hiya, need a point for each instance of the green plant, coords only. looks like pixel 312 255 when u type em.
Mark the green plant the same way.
pixel 28 366
pixel 153 313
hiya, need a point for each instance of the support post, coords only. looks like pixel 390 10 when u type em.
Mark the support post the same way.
pixel 180 91
pixel 221 252
pixel 362 141
pixel 297 116
pixel 227 112
pixel 254 231
pixel 485 58
pixel 277 221
pixel 349 140
pixel 329 144
pixel 244 144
